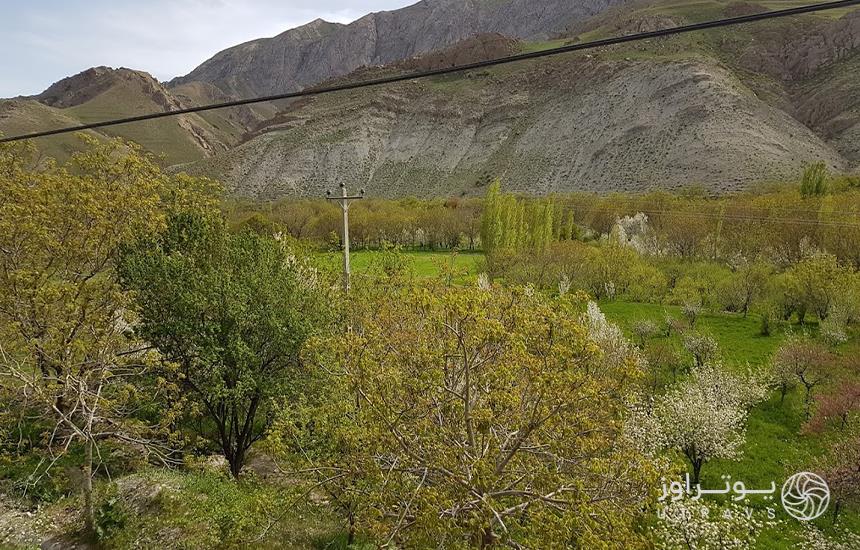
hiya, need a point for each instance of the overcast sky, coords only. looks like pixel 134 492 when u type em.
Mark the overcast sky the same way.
pixel 46 40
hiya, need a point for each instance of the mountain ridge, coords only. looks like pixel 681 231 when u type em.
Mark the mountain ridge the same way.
pixel 319 51
pixel 726 109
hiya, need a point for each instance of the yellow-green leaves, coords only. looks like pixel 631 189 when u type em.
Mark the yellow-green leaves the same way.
pixel 479 416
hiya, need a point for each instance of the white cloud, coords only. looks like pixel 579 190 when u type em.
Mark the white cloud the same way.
pixel 49 40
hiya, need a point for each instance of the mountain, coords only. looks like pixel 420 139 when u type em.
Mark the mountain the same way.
pixel 593 124
pixel 103 93
pixel 726 109
pixel 320 50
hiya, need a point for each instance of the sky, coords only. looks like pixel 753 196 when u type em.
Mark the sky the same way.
pixel 47 40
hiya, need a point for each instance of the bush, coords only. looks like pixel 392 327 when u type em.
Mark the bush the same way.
pixel 769 319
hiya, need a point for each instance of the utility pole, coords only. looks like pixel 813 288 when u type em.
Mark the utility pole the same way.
pixel 345 201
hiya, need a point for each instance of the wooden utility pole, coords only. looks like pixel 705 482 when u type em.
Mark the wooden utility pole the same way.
pixel 344 200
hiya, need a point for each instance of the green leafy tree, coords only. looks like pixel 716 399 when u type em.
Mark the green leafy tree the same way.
pixel 232 311
pixel 747 285
pixel 475 418
pixel 815 285
pixel 511 223
pixel 491 220
pixel 801 360
pixel 814 181
pixel 63 313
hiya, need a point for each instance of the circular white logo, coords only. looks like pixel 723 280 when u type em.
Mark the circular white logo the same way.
pixel 805 496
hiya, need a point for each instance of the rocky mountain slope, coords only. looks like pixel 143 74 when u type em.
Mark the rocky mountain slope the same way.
pixel 320 50
pixel 703 109
pixel 726 109
pixel 556 126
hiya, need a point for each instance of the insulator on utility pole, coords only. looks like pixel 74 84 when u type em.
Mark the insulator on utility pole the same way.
pixel 344 200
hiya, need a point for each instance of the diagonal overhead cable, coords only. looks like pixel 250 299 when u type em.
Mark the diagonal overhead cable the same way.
pixel 456 69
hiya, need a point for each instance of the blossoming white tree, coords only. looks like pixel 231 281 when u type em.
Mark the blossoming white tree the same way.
pixel 617 349
pixel 703 417
pixel 693 525
pixel 815 539
pixel 703 347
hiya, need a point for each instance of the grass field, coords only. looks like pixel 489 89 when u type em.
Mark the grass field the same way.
pixel 421 264
pixel 775 445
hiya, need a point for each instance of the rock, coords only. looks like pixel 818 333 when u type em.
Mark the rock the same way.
pixel 320 50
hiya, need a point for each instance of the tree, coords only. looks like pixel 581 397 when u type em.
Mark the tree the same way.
pixel 748 284
pixel 64 313
pixel 839 407
pixel 815 539
pixel 703 347
pixel 691 311
pixel 488 416
pixel 232 311
pixel 694 525
pixel 841 468
pixel 491 220
pixel 511 223
pixel 661 357
pixel 704 417
pixel 784 378
pixel 815 285
pixel 814 182
pixel 644 329
pixel 769 318
pixel 808 362
pixel 834 329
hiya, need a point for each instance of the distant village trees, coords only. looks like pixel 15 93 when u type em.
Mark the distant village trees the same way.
pixel 509 223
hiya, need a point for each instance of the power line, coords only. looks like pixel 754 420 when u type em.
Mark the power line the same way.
pixel 745 218
pixel 450 70
pixel 590 209
pixel 758 212
pixel 829 218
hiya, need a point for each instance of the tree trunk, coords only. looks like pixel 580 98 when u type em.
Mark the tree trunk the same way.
pixel 807 402
pixel 237 460
pixel 351 537
pixel 697 471
pixel 89 507
pixel 486 538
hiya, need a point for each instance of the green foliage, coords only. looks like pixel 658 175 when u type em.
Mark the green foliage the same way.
pixel 604 270
pixel 746 286
pixel 167 509
pixel 372 421
pixel 775 225
pixel 111 516
pixel 418 263
pixel 814 285
pixel 63 346
pixel 391 262
pixel 433 400
pixel 511 223
pixel 231 312
pixel 409 223
pixel 814 181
